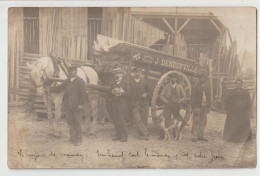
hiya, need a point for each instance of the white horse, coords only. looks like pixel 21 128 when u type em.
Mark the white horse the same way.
pixel 44 68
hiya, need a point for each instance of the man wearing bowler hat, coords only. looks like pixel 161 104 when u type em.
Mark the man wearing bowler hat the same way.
pixel 140 94
pixel 73 100
pixel 119 104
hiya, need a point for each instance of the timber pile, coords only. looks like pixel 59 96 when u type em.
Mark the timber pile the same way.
pixel 119 24
pixel 180 48
pixel 65 31
pixel 194 51
pixel 225 60
pixel 27 91
pixel 176 47
pixel 26 87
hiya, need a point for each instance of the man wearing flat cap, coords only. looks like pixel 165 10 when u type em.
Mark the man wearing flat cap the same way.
pixel 119 104
pixel 73 100
pixel 238 105
pixel 172 96
pixel 140 94
pixel 200 104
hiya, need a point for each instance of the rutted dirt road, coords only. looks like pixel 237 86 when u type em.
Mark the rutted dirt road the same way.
pixel 30 146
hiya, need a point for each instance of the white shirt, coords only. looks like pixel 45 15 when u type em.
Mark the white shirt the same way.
pixel 72 79
pixel 118 81
pixel 137 80
pixel 174 85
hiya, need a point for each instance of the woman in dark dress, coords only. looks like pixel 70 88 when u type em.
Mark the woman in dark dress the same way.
pixel 237 126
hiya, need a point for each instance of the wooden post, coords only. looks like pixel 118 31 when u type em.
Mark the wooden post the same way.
pixel 218 64
pixel 211 80
pixel 176 24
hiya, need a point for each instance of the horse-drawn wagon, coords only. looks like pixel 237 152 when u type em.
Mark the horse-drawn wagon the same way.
pixel 157 66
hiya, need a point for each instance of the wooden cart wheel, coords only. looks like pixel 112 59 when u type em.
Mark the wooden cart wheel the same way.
pixel 157 105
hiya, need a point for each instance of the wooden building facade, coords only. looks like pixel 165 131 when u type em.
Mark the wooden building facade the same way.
pixel 70 33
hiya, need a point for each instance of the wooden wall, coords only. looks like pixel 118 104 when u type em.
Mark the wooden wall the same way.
pixel 45 29
pixel 15 50
pixel 118 23
pixel 64 31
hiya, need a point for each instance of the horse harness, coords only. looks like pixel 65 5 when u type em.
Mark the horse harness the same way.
pixel 57 64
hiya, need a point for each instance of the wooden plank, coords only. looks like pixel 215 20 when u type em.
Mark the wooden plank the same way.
pixel 78 47
pixel 83 49
pixel 176 23
pixel 147 14
pixel 16 67
pixel 169 26
pixel 215 25
pixel 183 25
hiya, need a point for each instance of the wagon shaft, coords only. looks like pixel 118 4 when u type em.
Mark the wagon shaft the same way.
pixel 99 88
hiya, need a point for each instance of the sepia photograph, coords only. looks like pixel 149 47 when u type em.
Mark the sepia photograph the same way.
pixel 132 87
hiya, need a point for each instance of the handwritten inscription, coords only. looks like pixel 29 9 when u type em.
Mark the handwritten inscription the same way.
pixel 215 157
pixel 145 153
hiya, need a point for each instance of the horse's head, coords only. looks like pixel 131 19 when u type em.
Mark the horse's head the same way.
pixel 40 71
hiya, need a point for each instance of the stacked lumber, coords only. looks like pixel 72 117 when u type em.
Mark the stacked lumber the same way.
pixel 168 49
pixel 225 59
pixel 65 31
pixel 26 87
pixel 194 51
pixel 119 24
pixel 180 48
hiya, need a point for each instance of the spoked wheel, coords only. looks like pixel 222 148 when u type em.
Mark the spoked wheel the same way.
pixel 157 107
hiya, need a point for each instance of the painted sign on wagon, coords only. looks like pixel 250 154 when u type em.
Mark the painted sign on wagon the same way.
pixel 165 62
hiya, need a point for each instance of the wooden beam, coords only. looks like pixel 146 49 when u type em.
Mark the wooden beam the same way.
pixel 169 26
pixel 214 24
pixel 172 15
pixel 150 25
pixel 183 25
pixel 229 35
pixel 176 23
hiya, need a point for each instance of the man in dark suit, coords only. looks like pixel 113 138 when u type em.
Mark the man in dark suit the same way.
pixel 119 104
pixel 140 94
pixel 200 104
pixel 73 100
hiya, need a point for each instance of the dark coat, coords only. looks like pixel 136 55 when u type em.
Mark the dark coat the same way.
pixel 197 95
pixel 137 89
pixel 237 126
pixel 119 107
pixel 75 93
pixel 125 95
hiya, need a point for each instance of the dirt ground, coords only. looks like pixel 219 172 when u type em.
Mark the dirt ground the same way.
pixel 30 146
